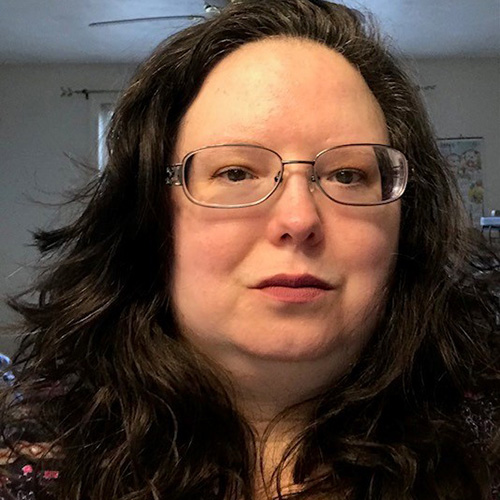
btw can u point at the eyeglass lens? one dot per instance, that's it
(238, 175)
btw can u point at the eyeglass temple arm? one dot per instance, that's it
(173, 175)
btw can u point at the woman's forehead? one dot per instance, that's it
(273, 67)
(281, 83)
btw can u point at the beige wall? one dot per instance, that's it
(37, 128)
(466, 102)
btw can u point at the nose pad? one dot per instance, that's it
(312, 183)
(312, 180)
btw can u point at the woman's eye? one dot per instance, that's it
(346, 176)
(234, 174)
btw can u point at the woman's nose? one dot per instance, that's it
(295, 217)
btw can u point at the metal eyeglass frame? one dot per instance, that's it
(175, 174)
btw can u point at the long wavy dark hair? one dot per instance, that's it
(139, 415)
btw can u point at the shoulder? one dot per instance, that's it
(481, 414)
(20, 477)
(29, 452)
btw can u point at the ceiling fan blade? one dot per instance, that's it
(218, 3)
(143, 19)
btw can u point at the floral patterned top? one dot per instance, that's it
(23, 480)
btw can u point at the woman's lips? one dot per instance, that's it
(294, 288)
(293, 295)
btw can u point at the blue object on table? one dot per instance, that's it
(5, 374)
(4, 361)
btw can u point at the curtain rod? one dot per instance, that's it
(68, 92)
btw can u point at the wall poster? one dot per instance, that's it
(463, 155)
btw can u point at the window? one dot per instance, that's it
(102, 108)
(105, 114)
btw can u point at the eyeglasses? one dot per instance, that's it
(243, 175)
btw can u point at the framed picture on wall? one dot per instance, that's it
(464, 157)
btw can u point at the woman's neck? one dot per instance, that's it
(275, 430)
(275, 397)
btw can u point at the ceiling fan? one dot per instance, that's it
(211, 7)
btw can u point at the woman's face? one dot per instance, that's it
(296, 97)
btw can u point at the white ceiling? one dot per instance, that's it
(54, 31)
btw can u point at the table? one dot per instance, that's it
(490, 223)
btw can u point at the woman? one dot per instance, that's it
(279, 319)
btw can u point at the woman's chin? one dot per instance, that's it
(283, 349)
